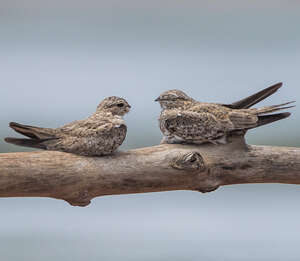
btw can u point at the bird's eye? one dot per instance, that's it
(120, 105)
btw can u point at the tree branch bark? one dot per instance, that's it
(78, 179)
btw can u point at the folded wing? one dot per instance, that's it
(192, 126)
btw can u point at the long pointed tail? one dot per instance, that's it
(37, 136)
(33, 143)
(32, 131)
(273, 108)
(255, 98)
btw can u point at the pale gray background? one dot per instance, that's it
(58, 59)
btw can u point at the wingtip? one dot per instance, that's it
(286, 114)
(273, 88)
(13, 124)
(279, 84)
(9, 140)
(267, 119)
(257, 97)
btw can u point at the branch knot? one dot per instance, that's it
(189, 161)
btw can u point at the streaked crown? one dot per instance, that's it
(115, 105)
(173, 99)
(173, 95)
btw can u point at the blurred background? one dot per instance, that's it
(59, 59)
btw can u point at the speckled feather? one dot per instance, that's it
(100, 134)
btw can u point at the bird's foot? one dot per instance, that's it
(222, 140)
(171, 140)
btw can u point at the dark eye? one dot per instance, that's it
(120, 105)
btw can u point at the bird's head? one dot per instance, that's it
(115, 105)
(173, 99)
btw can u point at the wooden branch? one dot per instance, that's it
(204, 168)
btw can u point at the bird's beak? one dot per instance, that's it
(129, 106)
(157, 99)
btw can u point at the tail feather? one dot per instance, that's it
(38, 136)
(266, 119)
(255, 98)
(31, 131)
(32, 143)
(273, 108)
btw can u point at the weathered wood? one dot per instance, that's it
(78, 179)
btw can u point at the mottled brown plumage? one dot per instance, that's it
(184, 120)
(100, 134)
